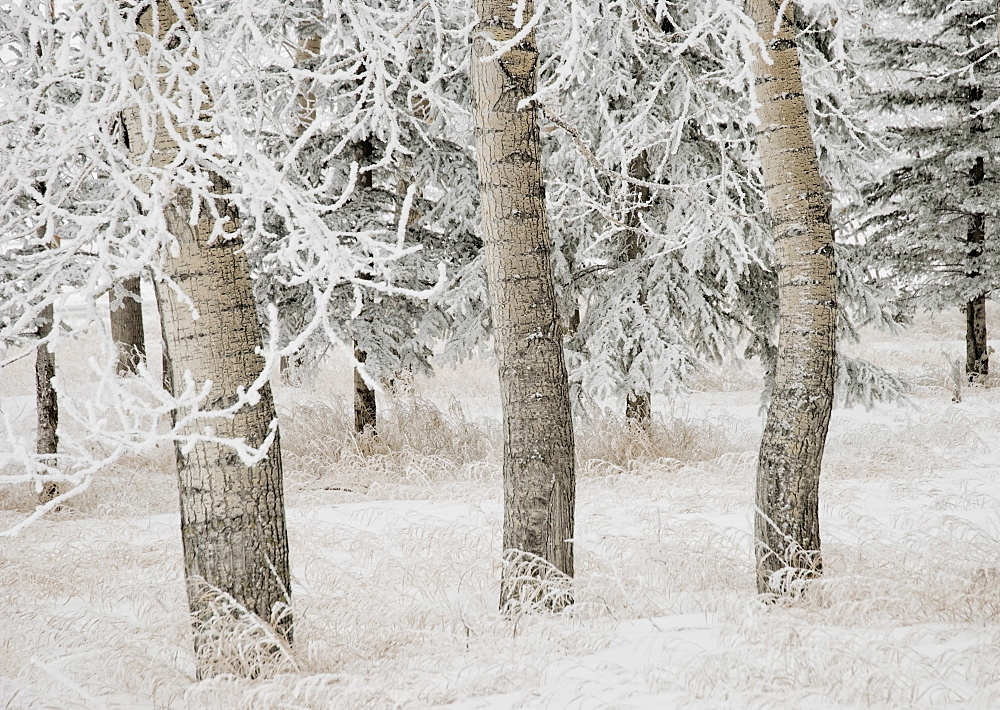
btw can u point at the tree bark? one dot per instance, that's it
(638, 403)
(539, 474)
(977, 354)
(46, 401)
(232, 515)
(127, 327)
(365, 406)
(791, 452)
(305, 101)
(364, 399)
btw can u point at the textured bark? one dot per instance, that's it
(365, 407)
(289, 366)
(539, 475)
(127, 328)
(639, 409)
(364, 400)
(305, 101)
(977, 354)
(638, 404)
(791, 451)
(46, 401)
(232, 515)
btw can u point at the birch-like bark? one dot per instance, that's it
(127, 327)
(539, 475)
(232, 515)
(791, 452)
(46, 401)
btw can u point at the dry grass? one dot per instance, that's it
(610, 445)
(396, 558)
(418, 447)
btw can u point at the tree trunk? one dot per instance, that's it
(638, 404)
(46, 401)
(539, 475)
(232, 515)
(365, 410)
(289, 366)
(126, 327)
(798, 416)
(639, 409)
(977, 354)
(365, 407)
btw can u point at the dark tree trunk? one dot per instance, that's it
(127, 327)
(977, 354)
(638, 404)
(46, 401)
(365, 409)
(639, 409)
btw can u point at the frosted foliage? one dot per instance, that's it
(77, 215)
(654, 192)
(671, 268)
(931, 90)
(376, 100)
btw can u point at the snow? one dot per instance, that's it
(395, 587)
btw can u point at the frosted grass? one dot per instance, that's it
(395, 553)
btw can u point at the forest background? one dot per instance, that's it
(341, 140)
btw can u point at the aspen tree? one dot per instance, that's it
(924, 216)
(46, 399)
(791, 451)
(232, 514)
(539, 475)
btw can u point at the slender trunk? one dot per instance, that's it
(977, 354)
(364, 399)
(574, 323)
(232, 515)
(46, 401)
(798, 416)
(289, 366)
(639, 409)
(127, 327)
(365, 407)
(638, 403)
(539, 474)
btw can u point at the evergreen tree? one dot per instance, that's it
(929, 219)
(387, 148)
(656, 196)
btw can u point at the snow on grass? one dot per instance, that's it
(396, 552)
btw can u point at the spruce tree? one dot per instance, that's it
(929, 219)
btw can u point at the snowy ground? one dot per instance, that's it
(395, 553)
